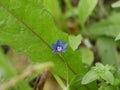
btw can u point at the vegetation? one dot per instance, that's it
(59, 45)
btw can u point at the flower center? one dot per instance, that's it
(59, 48)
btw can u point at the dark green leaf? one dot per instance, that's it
(76, 84)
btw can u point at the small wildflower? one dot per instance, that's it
(59, 47)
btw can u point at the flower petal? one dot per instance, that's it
(64, 45)
(59, 42)
(55, 51)
(63, 50)
(54, 46)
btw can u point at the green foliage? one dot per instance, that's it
(54, 9)
(29, 26)
(99, 72)
(8, 71)
(116, 4)
(118, 37)
(107, 50)
(85, 9)
(90, 77)
(76, 85)
(26, 33)
(87, 56)
(109, 27)
(75, 41)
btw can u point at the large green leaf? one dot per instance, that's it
(28, 27)
(85, 9)
(107, 50)
(109, 27)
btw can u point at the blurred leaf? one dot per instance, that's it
(116, 82)
(71, 9)
(85, 9)
(51, 84)
(108, 27)
(9, 71)
(56, 11)
(5, 64)
(108, 77)
(17, 60)
(107, 50)
(110, 88)
(30, 28)
(87, 56)
(2, 74)
(118, 37)
(98, 72)
(76, 84)
(116, 4)
(90, 77)
(54, 8)
(75, 41)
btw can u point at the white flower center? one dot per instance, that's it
(59, 48)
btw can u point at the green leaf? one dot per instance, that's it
(85, 9)
(28, 27)
(108, 77)
(87, 56)
(75, 41)
(116, 4)
(109, 27)
(54, 8)
(107, 50)
(89, 77)
(76, 84)
(110, 88)
(118, 37)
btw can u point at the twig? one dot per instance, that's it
(30, 70)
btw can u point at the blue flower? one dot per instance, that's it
(59, 47)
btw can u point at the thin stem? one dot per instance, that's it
(61, 57)
(60, 82)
